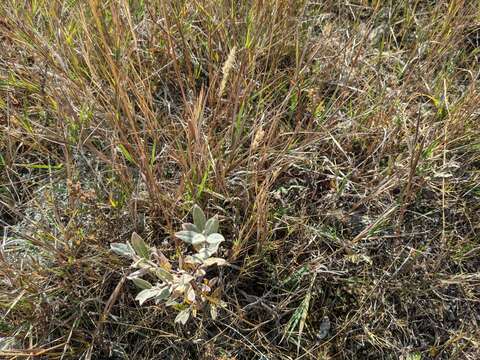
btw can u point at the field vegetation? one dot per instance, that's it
(337, 143)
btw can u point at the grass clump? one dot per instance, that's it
(336, 141)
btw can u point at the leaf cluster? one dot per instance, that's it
(184, 285)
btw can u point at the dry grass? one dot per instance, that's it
(338, 141)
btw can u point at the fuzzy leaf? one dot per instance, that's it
(182, 283)
(146, 294)
(191, 227)
(140, 247)
(199, 218)
(215, 261)
(213, 248)
(137, 274)
(163, 294)
(215, 238)
(163, 274)
(186, 235)
(154, 292)
(186, 278)
(198, 239)
(204, 253)
(172, 302)
(142, 284)
(190, 294)
(183, 316)
(212, 225)
(122, 249)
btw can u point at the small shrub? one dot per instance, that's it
(183, 285)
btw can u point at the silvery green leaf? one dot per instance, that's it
(122, 249)
(154, 292)
(212, 225)
(146, 294)
(190, 294)
(182, 283)
(198, 239)
(186, 278)
(137, 274)
(140, 246)
(163, 274)
(215, 261)
(200, 256)
(212, 248)
(163, 293)
(215, 238)
(183, 316)
(191, 227)
(172, 302)
(139, 262)
(199, 218)
(142, 284)
(186, 235)
(204, 254)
